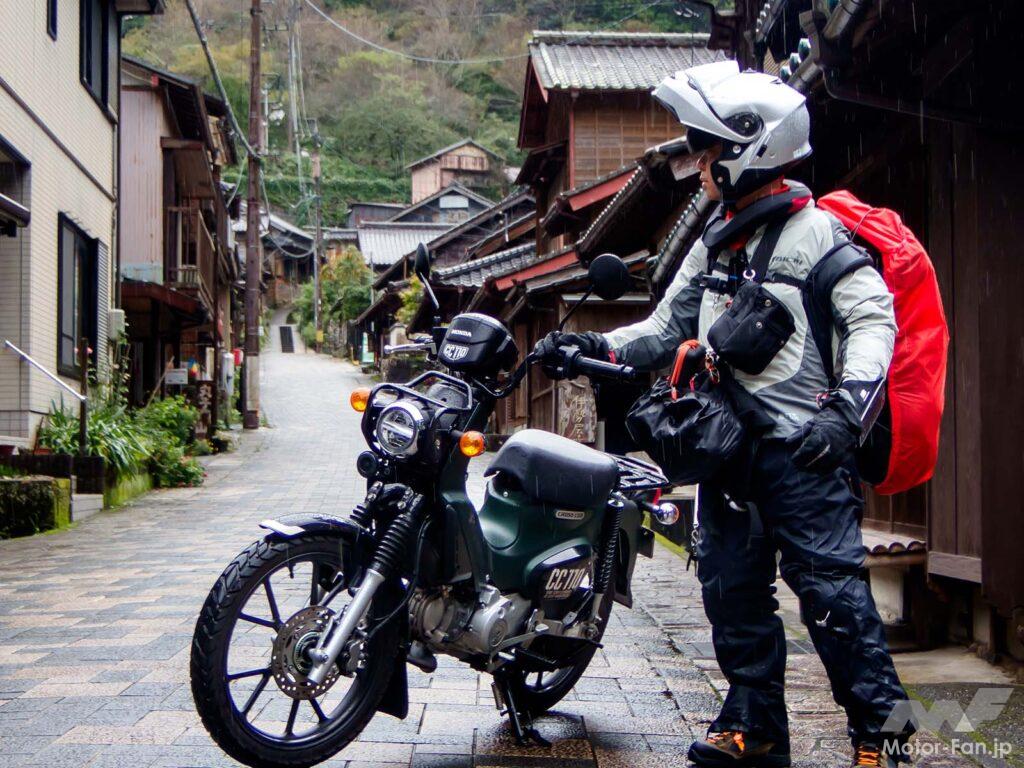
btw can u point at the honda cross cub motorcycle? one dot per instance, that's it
(307, 633)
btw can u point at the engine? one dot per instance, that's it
(451, 625)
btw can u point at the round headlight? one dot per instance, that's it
(398, 428)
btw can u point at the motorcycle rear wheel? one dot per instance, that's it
(227, 608)
(538, 692)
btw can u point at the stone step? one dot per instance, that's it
(85, 505)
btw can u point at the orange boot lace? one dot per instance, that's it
(724, 737)
(868, 754)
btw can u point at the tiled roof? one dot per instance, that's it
(452, 189)
(473, 274)
(614, 61)
(382, 243)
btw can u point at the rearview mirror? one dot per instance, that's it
(609, 276)
(422, 263)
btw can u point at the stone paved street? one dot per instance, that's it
(95, 625)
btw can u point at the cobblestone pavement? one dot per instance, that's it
(95, 625)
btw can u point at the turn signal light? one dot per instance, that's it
(471, 444)
(359, 399)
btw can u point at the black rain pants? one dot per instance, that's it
(813, 521)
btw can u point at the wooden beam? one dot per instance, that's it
(960, 567)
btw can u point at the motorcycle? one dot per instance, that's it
(307, 633)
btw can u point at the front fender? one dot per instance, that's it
(359, 543)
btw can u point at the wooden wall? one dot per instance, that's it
(613, 130)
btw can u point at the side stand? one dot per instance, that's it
(525, 733)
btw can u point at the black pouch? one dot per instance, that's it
(753, 330)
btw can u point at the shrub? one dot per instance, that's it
(171, 468)
(174, 416)
(113, 434)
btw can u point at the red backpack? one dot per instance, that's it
(902, 448)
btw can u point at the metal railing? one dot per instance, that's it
(82, 397)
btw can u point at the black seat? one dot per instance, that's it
(556, 470)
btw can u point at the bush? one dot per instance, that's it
(113, 434)
(171, 468)
(172, 415)
(32, 504)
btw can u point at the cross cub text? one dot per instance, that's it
(307, 633)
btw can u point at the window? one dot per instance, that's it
(51, 18)
(76, 294)
(93, 53)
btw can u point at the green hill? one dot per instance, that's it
(378, 111)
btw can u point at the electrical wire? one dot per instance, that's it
(217, 81)
(432, 60)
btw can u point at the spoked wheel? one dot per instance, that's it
(250, 657)
(537, 692)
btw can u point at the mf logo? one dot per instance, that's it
(987, 704)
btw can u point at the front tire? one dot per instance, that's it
(246, 609)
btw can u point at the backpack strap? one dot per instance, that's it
(839, 261)
(758, 267)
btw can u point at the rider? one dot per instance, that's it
(802, 497)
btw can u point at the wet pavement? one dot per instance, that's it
(96, 621)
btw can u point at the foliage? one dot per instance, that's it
(32, 504)
(411, 297)
(112, 434)
(172, 468)
(174, 416)
(344, 293)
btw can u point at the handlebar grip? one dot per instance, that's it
(590, 366)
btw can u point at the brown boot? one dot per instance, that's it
(735, 748)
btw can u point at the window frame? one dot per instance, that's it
(87, 292)
(51, 19)
(101, 91)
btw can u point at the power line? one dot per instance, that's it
(432, 60)
(217, 81)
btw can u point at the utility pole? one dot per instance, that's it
(251, 418)
(318, 245)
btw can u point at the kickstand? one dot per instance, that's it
(525, 734)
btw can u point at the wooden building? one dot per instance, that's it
(466, 162)
(178, 266)
(924, 118)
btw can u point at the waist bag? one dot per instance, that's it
(902, 448)
(692, 431)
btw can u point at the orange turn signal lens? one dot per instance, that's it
(471, 444)
(359, 399)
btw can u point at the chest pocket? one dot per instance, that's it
(756, 325)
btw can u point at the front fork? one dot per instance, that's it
(387, 559)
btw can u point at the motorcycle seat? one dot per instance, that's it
(553, 469)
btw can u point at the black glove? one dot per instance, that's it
(547, 350)
(828, 440)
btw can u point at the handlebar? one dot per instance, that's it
(575, 364)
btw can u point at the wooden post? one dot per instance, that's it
(318, 245)
(83, 408)
(251, 378)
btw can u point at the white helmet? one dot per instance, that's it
(761, 123)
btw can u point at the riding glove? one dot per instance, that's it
(547, 350)
(828, 440)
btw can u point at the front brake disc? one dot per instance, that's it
(289, 659)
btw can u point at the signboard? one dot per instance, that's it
(177, 377)
(203, 401)
(577, 411)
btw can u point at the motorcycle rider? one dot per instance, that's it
(802, 498)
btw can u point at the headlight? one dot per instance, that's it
(399, 427)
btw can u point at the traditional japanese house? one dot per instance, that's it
(177, 259)
(915, 106)
(465, 162)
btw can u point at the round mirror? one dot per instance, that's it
(609, 276)
(422, 264)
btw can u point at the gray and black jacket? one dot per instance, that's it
(863, 323)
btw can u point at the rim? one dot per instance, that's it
(255, 655)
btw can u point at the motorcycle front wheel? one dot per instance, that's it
(249, 657)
